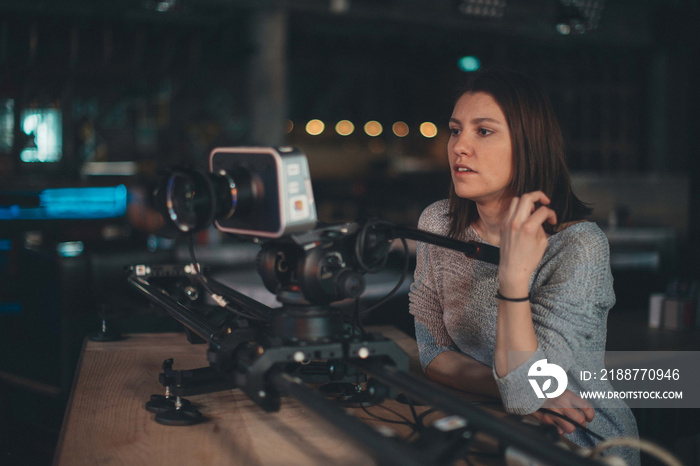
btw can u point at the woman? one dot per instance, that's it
(481, 327)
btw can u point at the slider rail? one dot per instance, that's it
(387, 451)
(506, 432)
(239, 299)
(179, 312)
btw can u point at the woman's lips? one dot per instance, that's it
(462, 170)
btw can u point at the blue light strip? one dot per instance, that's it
(10, 307)
(72, 203)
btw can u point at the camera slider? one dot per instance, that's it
(319, 363)
(269, 353)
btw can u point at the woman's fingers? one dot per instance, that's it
(561, 424)
(571, 406)
(530, 208)
(585, 408)
(580, 405)
(541, 215)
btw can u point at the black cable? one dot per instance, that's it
(357, 324)
(405, 421)
(360, 247)
(424, 414)
(411, 405)
(404, 274)
(576, 424)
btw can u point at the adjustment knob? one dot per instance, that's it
(350, 284)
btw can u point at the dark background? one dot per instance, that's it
(162, 83)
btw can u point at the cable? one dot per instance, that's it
(646, 446)
(396, 288)
(419, 426)
(424, 414)
(360, 247)
(405, 421)
(357, 324)
(576, 424)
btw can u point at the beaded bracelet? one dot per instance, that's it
(512, 300)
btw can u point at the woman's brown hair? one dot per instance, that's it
(538, 149)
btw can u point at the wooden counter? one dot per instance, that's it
(106, 422)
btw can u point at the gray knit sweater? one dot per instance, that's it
(453, 302)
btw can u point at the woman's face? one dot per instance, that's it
(480, 150)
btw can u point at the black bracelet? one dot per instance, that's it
(512, 300)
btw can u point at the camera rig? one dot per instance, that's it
(273, 352)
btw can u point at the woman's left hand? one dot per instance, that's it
(570, 405)
(523, 241)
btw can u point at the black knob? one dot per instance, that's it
(350, 284)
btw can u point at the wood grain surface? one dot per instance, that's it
(106, 422)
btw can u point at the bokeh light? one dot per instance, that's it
(469, 63)
(344, 127)
(428, 129)
(373, 128)
(315, 127)
(400, 129)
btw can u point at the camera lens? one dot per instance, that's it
(189, 200)
(237, 193)
(192, 200)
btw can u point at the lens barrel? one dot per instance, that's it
(191, 200)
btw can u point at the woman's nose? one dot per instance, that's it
(463, 146)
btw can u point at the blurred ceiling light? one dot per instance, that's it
(481, 8)
(469, 63)
(315, 127)
(109, 169)
(70, 249)
(289, 126)
(400, 129)
(578, 16)
(340, 6)
(373, 128)
(344, 127)
(161, 6)
(428, 129)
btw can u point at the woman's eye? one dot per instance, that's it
(455, 131)
(484, 131)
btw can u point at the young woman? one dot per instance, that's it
(481, 327)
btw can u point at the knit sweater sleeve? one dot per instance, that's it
(571, 295)
(425, 297)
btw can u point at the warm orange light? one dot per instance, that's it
(289, 126)
(428, 129)
(373, 128)
(344, 127)
(400, 129)
(315, 127)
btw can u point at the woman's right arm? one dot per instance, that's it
(459, 371)
(440, 359)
